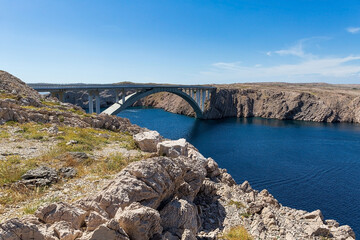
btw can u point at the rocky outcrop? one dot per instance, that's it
(147, 141)
(316, 104)
(181, 197)
(41, 176)
(20, 103)
(13, 85)
(173, 148)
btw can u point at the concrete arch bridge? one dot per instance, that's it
(195, 95)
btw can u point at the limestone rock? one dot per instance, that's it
(147, 141)
(343, 232)
(212, 168)
(271, 100)
(25, 229)
(110, 231)
(56, 212)
(245, 186)
(188, 235)
(139, 222)
(79, 155)
(41, 176)
(314, 216)
(53, 130)
(65, 231)
(180, 214)
(71, 142)
(94, 220)
(67, 172)
(314, 230)
(173, 149)
(148, 181)
(15, 86)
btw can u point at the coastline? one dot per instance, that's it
(172, 193)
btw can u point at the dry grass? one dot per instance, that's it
(5, 95)
(112, 164)
(56, 106)
(32, 207)
(12, 168)
(237, 204)
(236, 233)
(88, 140)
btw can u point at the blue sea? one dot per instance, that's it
(305, 165)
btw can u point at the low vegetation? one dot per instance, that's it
(237, 204)
(236, 233)
(64, 140)
(5, 95)
(245, 215)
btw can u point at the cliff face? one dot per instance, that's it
(317, 104)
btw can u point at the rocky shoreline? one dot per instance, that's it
(172, 193)
(177, 194)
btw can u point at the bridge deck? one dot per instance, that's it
(78, 87)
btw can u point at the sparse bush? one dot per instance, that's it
(12, 168)
(236, 233)
(61, 118)
(245, 215)
(32, 207)
(237, 204)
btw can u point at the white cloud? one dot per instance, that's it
(321, 69)
(310, 68)
(297, 49)
(353, 30)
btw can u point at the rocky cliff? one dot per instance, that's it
(307, 102)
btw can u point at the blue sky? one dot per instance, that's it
(189, 42)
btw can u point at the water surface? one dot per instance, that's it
(304, 165)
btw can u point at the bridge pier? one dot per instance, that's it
(116, 96)
(97, 102)
(91, 106)
(203, 93)
(123, 95)
(59, 95)
(198, 97)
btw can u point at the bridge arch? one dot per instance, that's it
(131, 99)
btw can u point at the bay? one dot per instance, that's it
(305, 165)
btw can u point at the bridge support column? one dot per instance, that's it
(97, 102)
(116, 96)
(123, 95)
(203, 100)
(59, 95)
(198, 96)
(91, 106)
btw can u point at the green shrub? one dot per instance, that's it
(236, 233)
